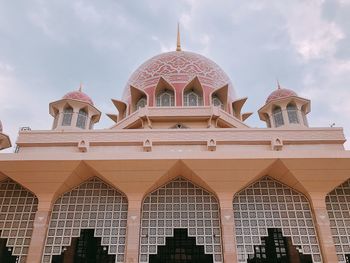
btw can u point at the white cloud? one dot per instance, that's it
(312, 36)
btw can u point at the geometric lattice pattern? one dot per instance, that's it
(180, 204)
(18, 207)
(270, 204)
(177, 67)
(338, 207)
(92, 205)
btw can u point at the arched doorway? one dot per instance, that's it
(5, 253)
(85, 249)
(268, 204)
(189, 211)
(276, 248)
(92, 211)
(180, 249)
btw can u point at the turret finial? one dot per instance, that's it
(80, 87)
(178, 42)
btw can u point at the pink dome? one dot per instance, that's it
(280, 93)
(0, 126)
(178, 68)
(78, 95)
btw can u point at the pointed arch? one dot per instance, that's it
(292, 112)
(180, 204)
(193, 94)
(164, 94)
(82, 118)
(267, 203)
(123, 109)
(219, 97)
(338, 207)
(136, 96)
(92, 205)
(17, 212)
(277, 116)
(67, 115)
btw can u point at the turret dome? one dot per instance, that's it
(280, 93)
(78, 95)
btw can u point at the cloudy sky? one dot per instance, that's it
(48, 47)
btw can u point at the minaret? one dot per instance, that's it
(284, 108)
(75, 110)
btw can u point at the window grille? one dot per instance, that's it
(142, 102)
(92, 205)
(82, 118)
(166, 99)
(217, 102)
(270, 204)
(338, 208)
(278, 117)
(180, 204)
(67, 116)
(191, 98)
(17, 213)
(292, 113)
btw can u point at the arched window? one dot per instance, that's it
(292, 113)
(141, 103)
(67, 116)
(191, 98)
(165, 98)
(82, 117)
(217, 102)
(278, 116)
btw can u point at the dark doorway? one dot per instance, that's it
(85, 249)
(275, 248)
(181, 249)
(5, 253)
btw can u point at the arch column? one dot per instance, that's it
(133, 228)
(227, 227)
(322, 223)
(40, 227)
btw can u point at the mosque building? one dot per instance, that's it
(179, 178)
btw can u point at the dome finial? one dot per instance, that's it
(80, 87)
(178, 43)
(278, 84)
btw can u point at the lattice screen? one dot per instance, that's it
(180, 204)
(92, 205)
(338, 207)
(270, 204)
(18, 207)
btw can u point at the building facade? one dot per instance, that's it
(179, 177)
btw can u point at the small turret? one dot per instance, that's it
(4, 139)
(284, 108)
(74, 111)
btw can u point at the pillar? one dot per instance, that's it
(133, 228)
(227, 228)
(41, 224)
(323, 228)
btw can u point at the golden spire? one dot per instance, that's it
(80, 87)
(178, 43)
